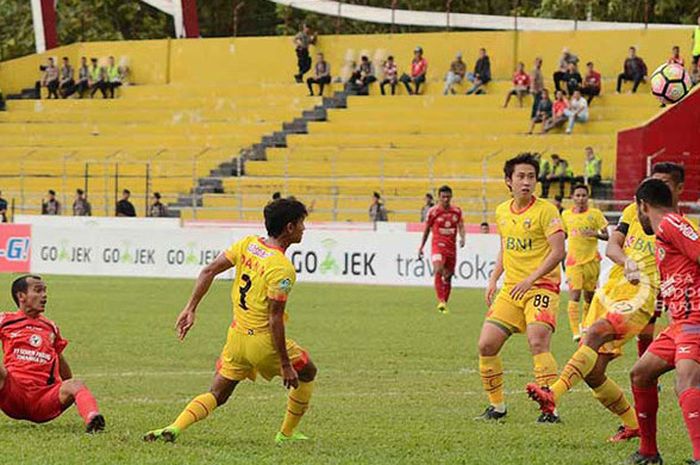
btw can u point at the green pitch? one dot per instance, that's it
(398, 383)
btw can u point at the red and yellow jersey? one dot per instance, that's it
(638, 246)
(263, 273)
(582, 249)
(524, 241)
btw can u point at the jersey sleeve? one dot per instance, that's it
(550, 220)
(279, 281)
(59, 344)
(564, 221)
(683, 236)
(601, 221)
(626, 219)
(430, 219)
(233, 253)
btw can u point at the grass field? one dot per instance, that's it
(398, 383)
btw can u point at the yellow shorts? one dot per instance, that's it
(538, 306)
(583, 277)
(626, 307)
(246, 355)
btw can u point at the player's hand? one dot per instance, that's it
(632, 272)
(290, 377)
(520, 289)
(461, 242)
(185, 321)
(589, 233)
(420, 254)
(490, 291)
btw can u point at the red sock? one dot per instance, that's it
(643, 343)
(86, 404)
(689, 401)
(439, 287)
(448, 289)
(646, 403)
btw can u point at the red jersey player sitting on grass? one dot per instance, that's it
(678, 346)
(444, 221)
(35, 378)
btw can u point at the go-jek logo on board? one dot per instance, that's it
(15, 248)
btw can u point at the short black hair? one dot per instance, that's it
(79, 191)
(580, 186)
(21, 285)
(676, 170)
(376, 195)
(390, 57)
(156, 195)
(52, 192)
(429, 195)
(276, 195)
(279, 213)
(590, 63)
(559, 198)
(65, 58)
(484, 223)
(525, 158)
(655, 192)
(445, 188)
(126, 191)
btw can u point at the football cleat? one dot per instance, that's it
(167, 434)
(543, 396)
(96, 424)
(491, 414)
(296, 436)
(548, 418)
(442, 308)
(639, 459)
(624, 433)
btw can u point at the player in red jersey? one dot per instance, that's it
(444, 221)
(678, 346)
(35, 379)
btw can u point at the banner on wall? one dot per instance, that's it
(15, 248)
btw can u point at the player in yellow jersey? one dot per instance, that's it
(621, 310)
(532, 246)
(256, 342)
(584, 226)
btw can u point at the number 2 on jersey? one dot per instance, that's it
(243, 290)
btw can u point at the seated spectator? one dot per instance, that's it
(364, 75)
(429, 203)
(676, 56)
(455, 75)
(377, 210)
(419, 67)
(82, 86)
(560, 75)
(593, 171)
(591, 83)
(391, 75)
(51, 206)
(573, 79)
(544, 110)
(66, 83)
(545, 170)
(577, 111)
(3, 104)
(124, 207)
(561, 173)
(635, 70)
(3, 209)
(158, 209)
(322, 75)
(558, 108)
(536, 85)
(81, 207)
(96, 79)
(113, 74)
(49, 80)
(484, 228)
(521, 85)
(481, 75)
(695, 74)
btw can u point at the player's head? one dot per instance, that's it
(579, 194)
(284, 219)
(521, 174)
(445, 195)
(654, 197)
(673, 174)
(484, 228)
(29, 293)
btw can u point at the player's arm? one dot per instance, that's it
(64, 368)
(185, 320)
(426, 233)
(603, 234)
(495, 276)
(615, 252)
(462, 233)
(279, 340)
(553, 259)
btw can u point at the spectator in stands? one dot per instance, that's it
(66, 83)
(676, 56)
(591, 83)
(558, 117)
(573, 79)
(561, 173)
(457, 71)
(50, 79)
(124, 207)
(391, 75)
(577, 111)
(560, 75)
(377, 210)
(82, 86)
(481, 75)
(158, 209)
(695, 74)
(521, 85)
(3, 209)
(364, 75)
(545, 170)
(113, 76)
(429, 203)
(635, 70)
(276, 196)
(419, 67)
(302, 41)
(51, 206)
(81, 206)
(96, 79)
(593, 171)
(485, 228)
(536, 86)
(322, 75)
(544, 111)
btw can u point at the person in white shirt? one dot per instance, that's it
(577, 111)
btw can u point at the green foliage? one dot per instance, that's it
(16, 32)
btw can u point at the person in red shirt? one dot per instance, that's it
(591, 83)
(35, 379)
(558, 117)
(678, 346)
(444, 221)
(676, 56)
(521, 85)
(419, 66)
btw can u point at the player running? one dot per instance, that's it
(444, 221)
(35, 379)
(256, 340)
(532, 246)
(584, 226)
(678, 346)
(621, 310)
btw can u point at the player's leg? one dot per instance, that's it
(573, 310)
(438, 281)
(687, 382)
(493, 336)
(646, 337)
(75, 390)
(448, 271)
(587, 300)
(298, 398)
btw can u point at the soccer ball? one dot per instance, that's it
(670, 83)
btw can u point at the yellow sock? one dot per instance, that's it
(198, 409)
(611, 396)
(574, 317)
(577, 368)
(297, 404)
(545, 368)
(584, 312)
(491, 369)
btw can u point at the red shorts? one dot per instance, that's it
(679, 341)
(448, 258)
(26, 401)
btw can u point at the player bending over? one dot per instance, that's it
(678, 346)
(35, 378)
(444, 221)
(583, 225)
(256, 341)
(532, 246)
